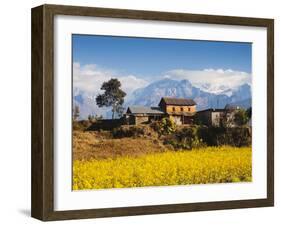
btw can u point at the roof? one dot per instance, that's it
(212, 110)
(144, 110)
(178, 101)
(232, 107)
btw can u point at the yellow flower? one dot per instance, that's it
(199, 166)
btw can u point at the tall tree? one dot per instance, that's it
(113, 96)
(76, 112)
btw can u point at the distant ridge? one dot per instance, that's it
(152, 94)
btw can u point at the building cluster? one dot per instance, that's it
(181, 110)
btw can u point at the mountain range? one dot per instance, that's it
(151, 95)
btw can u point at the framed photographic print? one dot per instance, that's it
(141, 112)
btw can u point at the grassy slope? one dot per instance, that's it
(100, 145)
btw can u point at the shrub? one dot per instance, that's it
(133, 131)
(81, 125)
(234, 136)
(241, 117)
(241, 136)
(249, 112)
(185, 138)
(164, 127)
(212, 136)
(104, 124)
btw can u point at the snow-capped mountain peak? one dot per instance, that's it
(206, 95)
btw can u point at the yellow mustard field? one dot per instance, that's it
(200, 166)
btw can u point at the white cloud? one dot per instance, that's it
(212, 80)
(89, 78)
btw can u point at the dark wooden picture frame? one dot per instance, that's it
(42, 203)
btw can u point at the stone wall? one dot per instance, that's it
(141, 119)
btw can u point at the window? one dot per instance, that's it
(188, 109)
(174, 109)
(181, 109)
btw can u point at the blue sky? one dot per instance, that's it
(147, 57)
(137, 62)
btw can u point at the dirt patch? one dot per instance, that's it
(100, 145)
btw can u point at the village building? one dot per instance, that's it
(138, 114)
(210, 116)
(215, 117)
(180, 110)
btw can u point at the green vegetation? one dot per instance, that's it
(241, 117)
(164, 127)
(185, 138)
(113, 97)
